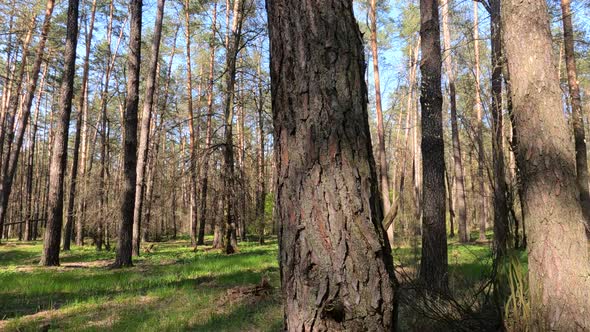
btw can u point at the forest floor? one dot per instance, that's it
(171, 288)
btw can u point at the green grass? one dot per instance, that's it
(169, 289)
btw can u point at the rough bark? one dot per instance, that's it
(434, 264)
(558, 249)
(458, 179)
(335, 260)
(59, 156)
(577, 112)
(146, 118)
(130, 137)
(500, 187)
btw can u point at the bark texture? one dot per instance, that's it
(124, 244)
(434, 261)
(500, 187)
(59, 153)
(557, 247)
(336, 264)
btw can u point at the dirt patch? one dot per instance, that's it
(247, 294)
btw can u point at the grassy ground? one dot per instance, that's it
(170, 289)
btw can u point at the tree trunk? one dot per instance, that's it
(434, 264)
(124, 244)
(146, 119)
(191, 127)
(261, 183)
(577, 112)
(228, 151)
(381, 155)
(459, 178)
(59, 154)
(209, 133)
(558, 249)
(13, 152)
(479, 131)
(500, 188)
(327, 190)
(79, 156)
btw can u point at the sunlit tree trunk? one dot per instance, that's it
(124, 243)
(458, 179)
(327, 190)
(146, 119)
(559, 266)
(59, 156)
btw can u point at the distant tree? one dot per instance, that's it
(577, 112)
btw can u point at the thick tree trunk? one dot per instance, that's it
(327, 192)
(434, 264)
(59, 156)
(577, 112)
(459, 178)
(124, 244)
(146, 118)
(558, 249)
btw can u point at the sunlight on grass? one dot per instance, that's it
(170, 289)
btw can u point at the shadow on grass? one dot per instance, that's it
(51, 288)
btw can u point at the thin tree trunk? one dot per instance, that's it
(124, 244)
(381, 155)
(228, 151)
(558, 250)
(191, 126)
(500, 188)
(479, 130)
(13, 152)
(577, 113)
(29, 233)
(59, 154)
(434, 264)
(145, 127)
(261, 183)
(209, 133)
(79, 162)
(459, 177)
(330, 214)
